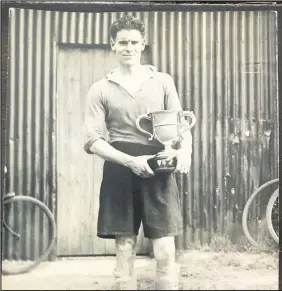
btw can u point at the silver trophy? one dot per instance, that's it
(168, 126)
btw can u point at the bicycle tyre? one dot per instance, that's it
(246, 211)
(49, 247)
(269, 208)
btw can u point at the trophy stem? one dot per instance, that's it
(167, 147)
(163, 154)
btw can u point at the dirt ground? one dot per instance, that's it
(200, 270)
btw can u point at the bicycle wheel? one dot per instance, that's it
(272, 215)
(29, 233)
(246, 211)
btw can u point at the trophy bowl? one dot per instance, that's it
(168, 127)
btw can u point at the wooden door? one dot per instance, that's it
(80, 174)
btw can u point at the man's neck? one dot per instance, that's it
(130, 70)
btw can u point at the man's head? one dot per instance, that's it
(128, 39)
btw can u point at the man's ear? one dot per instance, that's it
(112, 42)
(143, 43)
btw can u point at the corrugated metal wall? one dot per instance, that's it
(224, 66)
(90, 28)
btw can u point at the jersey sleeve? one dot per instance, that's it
(95, 116)
(172, 101)
(171, 96)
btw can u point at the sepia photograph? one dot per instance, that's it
(140, 145)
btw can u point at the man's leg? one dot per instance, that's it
(125, 256)
(167, 269)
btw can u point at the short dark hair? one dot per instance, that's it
(127, 22)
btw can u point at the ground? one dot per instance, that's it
(200, 270)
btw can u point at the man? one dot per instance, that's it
(130, 191)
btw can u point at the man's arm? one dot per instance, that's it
(138, 165)
(183, 154)
(172, 102)
(107, 152)
(186, 144)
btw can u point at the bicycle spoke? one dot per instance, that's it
(17, 235)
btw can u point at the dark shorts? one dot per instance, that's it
(127, 199)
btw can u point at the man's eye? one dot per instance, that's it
(134, 42)
(123, 42)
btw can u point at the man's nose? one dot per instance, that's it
(129, 46)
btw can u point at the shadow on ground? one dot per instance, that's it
(199, 271)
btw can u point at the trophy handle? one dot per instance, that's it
(139, 118)
(193, 120)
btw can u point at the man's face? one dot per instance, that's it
(128, 46)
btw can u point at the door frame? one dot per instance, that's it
(55, 133)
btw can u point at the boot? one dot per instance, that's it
(165, 283)
(126, 284)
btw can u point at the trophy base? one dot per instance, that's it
(160, 165)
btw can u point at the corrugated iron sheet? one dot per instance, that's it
(31, 101)
(91, 28)
(224, 66)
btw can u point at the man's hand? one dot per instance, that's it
(183, 160)
(139, 166)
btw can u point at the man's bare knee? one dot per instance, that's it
(125, 243)
(164, 250)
